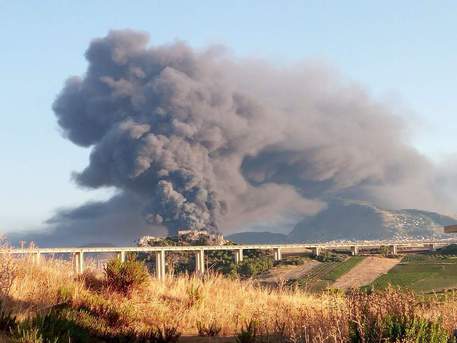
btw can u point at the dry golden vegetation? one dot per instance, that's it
(93, 310)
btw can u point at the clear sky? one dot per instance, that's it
(402, 51)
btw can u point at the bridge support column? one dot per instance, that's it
(78, 262)
(75, 263)
(316, 251)
(160, 265)
(200, 262)
(238, 256)
(121, 256)
(394, 249)
(355, 250)
(277, 254)
(36, 258)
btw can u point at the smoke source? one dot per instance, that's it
(199, 139)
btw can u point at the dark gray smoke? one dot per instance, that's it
(203, 140)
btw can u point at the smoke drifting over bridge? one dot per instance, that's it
(200, 139)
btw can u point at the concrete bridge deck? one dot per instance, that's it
(160, 251)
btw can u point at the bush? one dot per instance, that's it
(125, 276)
(390, 316)
(52, 327)
(292, 261)
(447, 250)
(106, 311)
(252, 267)
(327, 256)
(400, 329)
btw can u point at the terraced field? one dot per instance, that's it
(326, 273)
(314, 280)
(287, 272)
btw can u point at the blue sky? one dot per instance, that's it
(401, 51)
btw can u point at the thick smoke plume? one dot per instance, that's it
(200, 139)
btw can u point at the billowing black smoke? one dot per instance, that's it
(203, 140)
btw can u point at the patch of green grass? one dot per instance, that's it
(421, 273)
(343, 267)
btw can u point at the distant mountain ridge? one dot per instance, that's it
(354, 220)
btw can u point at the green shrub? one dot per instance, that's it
(447, 250)
(416, 329)
(106, 311)
(251, 267)
(52, 327)
(327, 256)
(125, 276)
(292, 261)
(394, 328)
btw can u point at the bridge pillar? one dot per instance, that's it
(200, 262)
(121, 256)
(277, 254)
(160, 265)
(75, 263)
(316, 251)
(81, 262)
(394, 249)
(238, 256)
(432, 247)
(36, 258)
(78, 262)
(355, 250)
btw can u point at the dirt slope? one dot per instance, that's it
(365, 272)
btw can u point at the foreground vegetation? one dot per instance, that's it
(46, 303)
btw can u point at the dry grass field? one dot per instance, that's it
(215, 306)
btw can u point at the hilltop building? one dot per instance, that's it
(185, 237)
(200, 236)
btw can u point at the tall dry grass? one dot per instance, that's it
(7, 269)
(189, 303)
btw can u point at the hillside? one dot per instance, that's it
(350, 220)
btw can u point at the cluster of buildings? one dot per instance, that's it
(185, 237)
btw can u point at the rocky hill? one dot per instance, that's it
(353, 220)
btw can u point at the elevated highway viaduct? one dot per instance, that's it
(78, 254)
